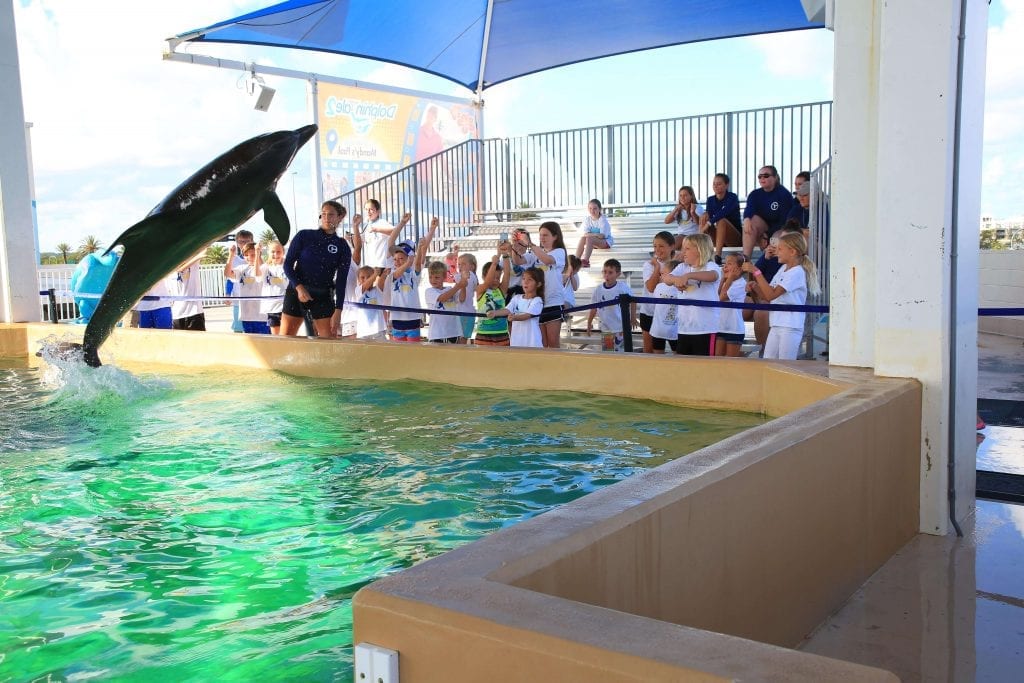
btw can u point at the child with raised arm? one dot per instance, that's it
(697, 279)
(490, 296)
(731, 329)
(665, 321)
(444, 329)
(376, 235)
(610, 317)
(369, 322)
(348, 323)
(551, 259)
(248, 281)
(401, 286)
(795, 279)
(464, 299)
(274, 284)
(524, 311)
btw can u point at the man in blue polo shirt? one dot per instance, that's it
(766, 210)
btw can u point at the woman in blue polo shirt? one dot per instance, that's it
(316, 266)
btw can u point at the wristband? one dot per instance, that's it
(757, 273)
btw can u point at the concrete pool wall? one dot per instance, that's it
(709, 567)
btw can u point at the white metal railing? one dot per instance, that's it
(58, 278)
(637, 165)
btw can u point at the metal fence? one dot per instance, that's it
(58, 278)
(818, 249)
(634, 166)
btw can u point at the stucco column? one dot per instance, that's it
(19, 298)
(893, 246)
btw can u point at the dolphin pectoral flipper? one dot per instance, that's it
(134, 235)
(275, 216)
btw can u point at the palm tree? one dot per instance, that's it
(267, 236)
(216, 254)
(89, 245)
(64, 249)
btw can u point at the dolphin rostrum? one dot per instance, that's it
(214, 201)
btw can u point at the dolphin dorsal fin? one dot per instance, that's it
(275, 216)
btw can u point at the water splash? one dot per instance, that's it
(66, 373)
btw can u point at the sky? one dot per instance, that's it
(116, 128)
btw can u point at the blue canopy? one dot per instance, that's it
(457, 40)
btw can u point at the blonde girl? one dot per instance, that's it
(731, 329)
(597, 233)
(697, 279)
(274, 284)
(661, 253)
(791, 284)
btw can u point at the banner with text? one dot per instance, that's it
(366, 134)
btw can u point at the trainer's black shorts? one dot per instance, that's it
(321, 306)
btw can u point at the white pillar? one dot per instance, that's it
(893, 217)
(19, 297)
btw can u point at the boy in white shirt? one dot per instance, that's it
(610, 317)
(444, 329)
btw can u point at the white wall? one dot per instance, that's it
(1001, 285)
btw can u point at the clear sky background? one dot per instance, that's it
(115, 128)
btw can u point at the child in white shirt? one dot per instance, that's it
(610, 317)
(524, 311)
(444, 329)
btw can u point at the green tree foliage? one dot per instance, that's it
(64, 250)
(525, 215)
(267, 236)
(89, 245)
(988, 241)
(216, 254)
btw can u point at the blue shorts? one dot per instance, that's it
(255, 327)
(468, 322)
(405, 330)
(159, 319)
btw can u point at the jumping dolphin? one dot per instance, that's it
(214, 201)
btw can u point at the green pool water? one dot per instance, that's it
(215, 526)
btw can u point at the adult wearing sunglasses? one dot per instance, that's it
(766, 210)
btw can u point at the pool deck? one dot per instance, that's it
(948, 608)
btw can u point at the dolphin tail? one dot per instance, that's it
(275, 216)
(91, 356)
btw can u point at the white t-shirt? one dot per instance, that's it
(516, 278)
(794, 281)
(699, 319)
(526, 332)
(569, 289)
(688, 224)
(247, 284)
(610, 317)
(274, 284)
(159, 289)
(554, 291)
(375, 244)
(469, 306)
(442, 326)
(730, 320)
(601, 226)
(186, 282)
(404, 292)
(369, 321)
(665, 324)
(353, 294)
(646, 309)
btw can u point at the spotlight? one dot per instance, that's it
(265, 96)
